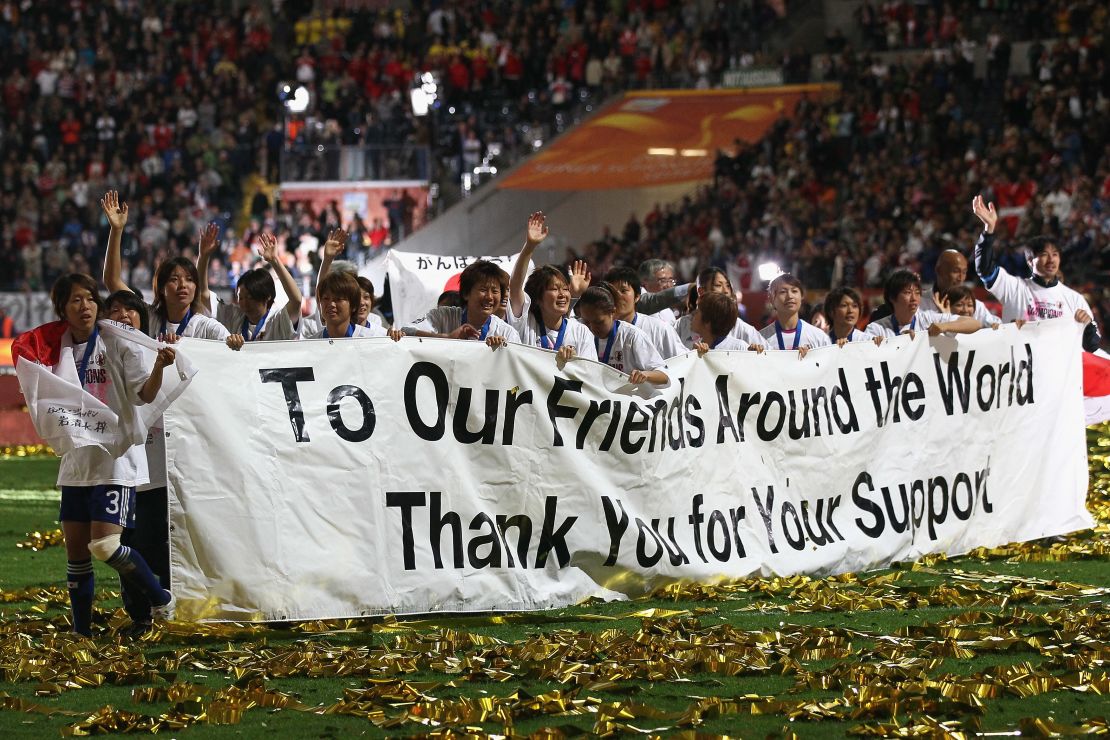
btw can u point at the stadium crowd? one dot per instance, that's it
(175, 104)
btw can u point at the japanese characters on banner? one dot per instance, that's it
(416, 280)
(327, 479)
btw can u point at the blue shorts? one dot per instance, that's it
(110, 503)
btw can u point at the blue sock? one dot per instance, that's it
(79, 580)
(131, 566)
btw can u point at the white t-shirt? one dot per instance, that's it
(810, 337)
(888, 326)
(359, 331)
(743, 330)
(631, 350)
(576, 335)
(199, 326)
(446, 319)
(309, 325)
(276, 325)
(115, 374)
(982, 315)
(729, 342)
(663, 336)
(667, 316)
(855, 335)
(1024, 298)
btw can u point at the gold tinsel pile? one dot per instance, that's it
(1026, 637)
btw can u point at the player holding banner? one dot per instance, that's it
(98, 488)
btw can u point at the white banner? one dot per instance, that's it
(417, 280)
(343, 478)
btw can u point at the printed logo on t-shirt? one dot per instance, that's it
(1045, 309)
(95, 372)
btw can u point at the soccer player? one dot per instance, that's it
(480, 288)
(253, 318)
(842, 309)
(1041, 296)
(177, 310)
(337, 297)
(625, 284)
(902, 291)
(98, 490)
(620, 345)
(713, 320)
(538, 306)
(713, 280)
(788, 330)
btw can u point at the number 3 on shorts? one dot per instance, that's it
(112, 506)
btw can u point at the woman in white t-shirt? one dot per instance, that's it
(338, 296)
(98, 490)
(538, 306)
(619, 345)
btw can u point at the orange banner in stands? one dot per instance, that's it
(658, 137)
(6, 353)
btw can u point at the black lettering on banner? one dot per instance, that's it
(798, 543)
(484, 435)
(513, 402)
(693, 421)
(717, 522)
(936, 516)
(593, 412)
(437, 520)
(841, 393)
(557, 411)
(406, 501)
(695, 519)
(616, 526)
(962, 514)
(434, 431)
(765, 432)
(724, 413)
(552, 538)
(875, 530)
(674, 552)
(765, 512)
(289, 377)
(523, 526)
(644, 533)
(493, 560)
(336, 418)
(631, 426)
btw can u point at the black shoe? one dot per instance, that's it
(135, 631)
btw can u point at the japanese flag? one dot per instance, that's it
(1096, 387)
(64, 413)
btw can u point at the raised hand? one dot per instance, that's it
(579, 278)
(942, 302)
(267, 246)
(115, 211)
(537, 228)
(336, 243)
(986, 213)
(209, 238)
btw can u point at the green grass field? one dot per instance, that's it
(1012, 640)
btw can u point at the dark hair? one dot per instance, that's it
(1040, 243)
(599, 296)
(958, 293)
(63, 288)
(340, 285)
(452, 298)
(836, 295)
(705, 277)
(898, 281)
(367, 286)
(479, 272)
(131, 300)
(785, 279)
(537, 283)
(719, 312)
(624, 275)
(259, 284)
(163, 276)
